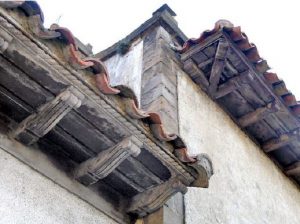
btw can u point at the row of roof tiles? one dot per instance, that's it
(36, 19)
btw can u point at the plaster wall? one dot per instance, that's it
(127, 69)
(247, 188)
(28, 197)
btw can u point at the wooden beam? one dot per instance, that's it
(47, 116)
(293, 170)
(233, 84)
(225, 89)
(281, 141)
(218, 66)
(154, 198)
(100, 166)
(195, 73)
(199, 47)
(230, 67)
(208, 61)
(258, 114)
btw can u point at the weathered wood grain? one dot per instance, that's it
(48, 115)
(218, 66)
(258, 114)
(281, 141)
(96, 168)
(293, 170)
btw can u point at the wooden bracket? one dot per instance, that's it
(100, 166)
(196, 74)
(47, 116)
(258, 114)
(218, 66)
(154, 198)
(233, 84)
(293, 170)
(281, 141)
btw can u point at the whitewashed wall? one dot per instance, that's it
(28, 197)
(247, 188)
(127, 69)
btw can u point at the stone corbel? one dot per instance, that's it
(47, 116)
(205, 170)
(100, 166)
(154, 198)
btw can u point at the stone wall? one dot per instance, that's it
(247, 187)
(159, 80)
(28, 197)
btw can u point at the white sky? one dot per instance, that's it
(271, 25)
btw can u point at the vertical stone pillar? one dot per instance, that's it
(159, 78)
(159, 94)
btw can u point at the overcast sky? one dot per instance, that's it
(272, 25)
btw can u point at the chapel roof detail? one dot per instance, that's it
(228, 67)
(98, 129)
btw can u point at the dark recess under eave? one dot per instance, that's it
(252, 87)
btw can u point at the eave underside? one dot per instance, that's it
(244, 93)
(32, 79)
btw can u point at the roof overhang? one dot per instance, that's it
(229, 69)
(55, 99)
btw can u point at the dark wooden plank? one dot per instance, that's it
(235, 104)
(84, 132)
(121, 186)
(261, 131)
(235, 61)
(257, 114)
(205, 63)
(12, 106)
(230, 69)
(102, 121)
(195, 73)
(153, 164)
(210, 51)
(225, 89)
(251, 96)
(137, 172)
(21, 85)
(69, 144)
(284, 156)
(293, 169)
(38, 70)
(199, 57)
(199, 47)
(276, 124)
(281, 141)
(218, 66)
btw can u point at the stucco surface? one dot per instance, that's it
(127, 69)
(246, 187)
(28, 197)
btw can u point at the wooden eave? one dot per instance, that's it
(247, 96)
(58, 110)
